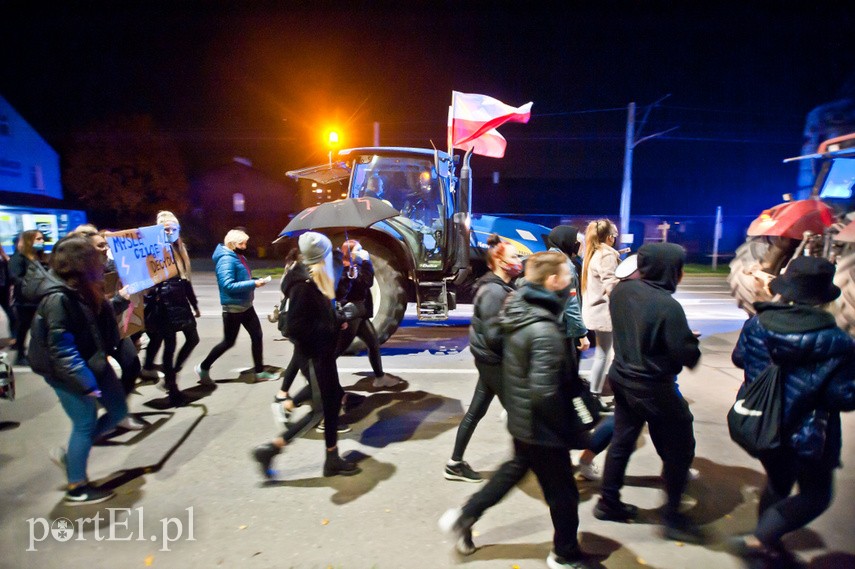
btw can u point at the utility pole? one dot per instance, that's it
(626, 190)
(376, 133)
(631, 143)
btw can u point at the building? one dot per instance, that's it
(238, 195)
(30, 183)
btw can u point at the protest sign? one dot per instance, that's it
(143, 256)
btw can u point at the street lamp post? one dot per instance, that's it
(332, 142)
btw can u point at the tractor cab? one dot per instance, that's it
(416, 183)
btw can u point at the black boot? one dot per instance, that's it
(177, 399)
(334, 465)
(264, 455)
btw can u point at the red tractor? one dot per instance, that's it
(822, 225)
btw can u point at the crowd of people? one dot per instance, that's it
(531, 323)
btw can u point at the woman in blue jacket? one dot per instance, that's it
(818, 360)
(237, 291)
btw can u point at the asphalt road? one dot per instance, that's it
(191, 470)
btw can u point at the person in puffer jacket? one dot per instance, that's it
(492, 290)
(237, 291)
(818, 361)
(73, 331)
(537, 395)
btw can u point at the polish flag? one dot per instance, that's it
(472, 122)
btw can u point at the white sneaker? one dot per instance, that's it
(589, 472)
(694, 474)
(386, 381)
(131, 423)
(281, 415)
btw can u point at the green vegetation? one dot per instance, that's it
(706, 270)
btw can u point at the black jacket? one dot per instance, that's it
(358, 290)
(168, 306)
(312, 322)
(489, 299)
(535, 389)
(64, 336)
(818, 360)
(652, 338)
(17, 271)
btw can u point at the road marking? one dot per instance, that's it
(410, 370)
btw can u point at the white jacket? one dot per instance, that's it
(600, 282)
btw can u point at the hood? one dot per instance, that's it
(530, 303)
(50, 284)
(222, 251)
(661, 264)
(793, 318)
(490, 277)
(565, 238)
(299, 273)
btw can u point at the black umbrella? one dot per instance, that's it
(355, 212)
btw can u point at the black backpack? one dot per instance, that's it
(756, 420)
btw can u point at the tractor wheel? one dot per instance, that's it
(747, 279)
(845, 279)
(388, 294)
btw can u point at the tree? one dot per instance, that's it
(123, 170)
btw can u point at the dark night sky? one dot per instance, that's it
(263, 79)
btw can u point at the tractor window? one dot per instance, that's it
(838, 183)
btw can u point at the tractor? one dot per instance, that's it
(434, 250)
(822, 225)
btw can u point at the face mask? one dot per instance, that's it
(564, 293)
(514, 269)
(39, 246)
(173, 235)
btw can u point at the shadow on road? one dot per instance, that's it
(348, 488)
(132, 478)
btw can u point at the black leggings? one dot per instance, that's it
(489, 377)
(326, 394)
(779, 513)
(364, 330)
(232, 321)
(169, 341)
(191, 340)
(24, 319)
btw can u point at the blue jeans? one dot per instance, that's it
(86, 426)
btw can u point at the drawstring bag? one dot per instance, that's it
(755, 420)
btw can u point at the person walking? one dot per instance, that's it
(653, 343)
(6, 292)
(354, 287)
(313, 326)
(125, 352)
(171, 307)
(797, 333)
(29, 251)
(72, 331)
(536, 395)
(491, 291)
(598, 279)
(237, 291)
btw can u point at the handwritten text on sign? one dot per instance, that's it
(143, 256)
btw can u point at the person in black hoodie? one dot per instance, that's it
(653, 342)
(313, 326)
(73, 332)
(491, 291)
(537, 396)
